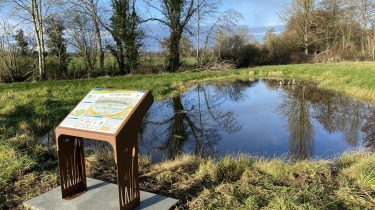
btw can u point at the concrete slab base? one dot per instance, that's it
(99, 195)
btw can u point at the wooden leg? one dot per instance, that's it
(127, 175)
(72, 165)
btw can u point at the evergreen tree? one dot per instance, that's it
(22, 44)
(176, 14)
(124, 27)
(56, 42)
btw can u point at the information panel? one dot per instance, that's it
(103, 110)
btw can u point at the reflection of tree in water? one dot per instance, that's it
(338, 113)
(196, 119)
(235, 91)
(335, 112)
(296, 108)
(177, 128)
(349, 117)
(369, 130)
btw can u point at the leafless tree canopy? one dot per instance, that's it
(195, 30)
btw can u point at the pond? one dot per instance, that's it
(266, 118)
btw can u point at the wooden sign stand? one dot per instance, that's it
(70, 152)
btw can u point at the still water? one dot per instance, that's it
(263, 118)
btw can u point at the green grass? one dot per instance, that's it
(29, 110)
(77, 65)
(245, 182)
(37, 107)
(12, 163)
(356, 79)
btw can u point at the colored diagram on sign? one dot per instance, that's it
(103, 110)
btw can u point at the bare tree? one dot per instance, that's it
(176, 16)
(331, 12)
(92, 9)
(224, 21)
(237, 47)
(347, 23)
(365, 16)
(198, 30)
(206, 10)
(7, 53)
(16, 61)
(83, 38)
(36, 10)
(300, 17)
(372, 35)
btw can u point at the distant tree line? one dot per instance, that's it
(336, 29)
(315, 31)
(58, 26)
(70, 38)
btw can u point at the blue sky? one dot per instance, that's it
(258, 12)
(259, 16)
(255, 12)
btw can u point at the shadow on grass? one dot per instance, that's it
(33, 119)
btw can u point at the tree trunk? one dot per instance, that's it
(121, 60)
(198, 32)
(98, 35)
(179, 133)
(373, 43)
(42, 53)
(101, 50)
(36, 13)
(88, 65)
(174, 51)
(40, 62)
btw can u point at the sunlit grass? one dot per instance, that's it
(29, 110)
(12, 164)
(356, 79)
(77, 64)
(37, 107)
(243, 182)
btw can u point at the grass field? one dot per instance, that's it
(29, 110)
(149, 63)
